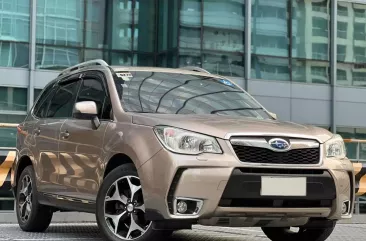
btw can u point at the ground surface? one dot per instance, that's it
(90, 232)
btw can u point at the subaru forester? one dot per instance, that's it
(154, 150)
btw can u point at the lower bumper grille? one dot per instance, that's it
(270, 203)
(262, 155)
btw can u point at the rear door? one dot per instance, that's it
(80, 144)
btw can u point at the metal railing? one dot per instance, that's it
(360, 148)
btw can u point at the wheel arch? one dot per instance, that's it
(23, 162)
(115, 161)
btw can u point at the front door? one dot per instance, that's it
(80, 145)
(47, 132)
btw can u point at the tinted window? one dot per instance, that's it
(63, 102)
(173, 93)
(41, 106)
(92, 89)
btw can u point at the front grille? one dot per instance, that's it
(264, 155)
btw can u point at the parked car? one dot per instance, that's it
(155, 150)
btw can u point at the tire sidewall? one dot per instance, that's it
(27, 171)
(125, 170)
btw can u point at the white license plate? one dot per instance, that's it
(283, 186)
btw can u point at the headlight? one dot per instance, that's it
(186, 142)
(335, 147)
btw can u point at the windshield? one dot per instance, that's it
(174, 93)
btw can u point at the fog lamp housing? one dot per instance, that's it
(187, 206)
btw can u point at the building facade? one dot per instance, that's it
(302, 59)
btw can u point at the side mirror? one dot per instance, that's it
(87, 110)
(273, 115)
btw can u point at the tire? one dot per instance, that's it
(112, 208)
(39, 217)
(284, 234)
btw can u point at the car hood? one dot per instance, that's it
(221, 126)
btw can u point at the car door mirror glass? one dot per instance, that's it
(85, 110)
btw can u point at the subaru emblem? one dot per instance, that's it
(279, 144)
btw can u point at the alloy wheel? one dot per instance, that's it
(25, 198)
(124, 209)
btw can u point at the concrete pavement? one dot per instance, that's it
(90, 232)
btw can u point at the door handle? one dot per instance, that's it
(37, 132)
(65, 135)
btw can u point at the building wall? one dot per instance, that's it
(281, 50)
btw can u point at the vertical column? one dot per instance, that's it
(248, 45)
(32, 53)
(333, 63)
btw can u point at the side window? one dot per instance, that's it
(92, 89)
(41, 106)
(63, 101)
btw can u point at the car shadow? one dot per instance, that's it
(92, 233)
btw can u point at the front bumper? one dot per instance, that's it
(231, 189)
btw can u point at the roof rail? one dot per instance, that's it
(83, 65)
(195, 68)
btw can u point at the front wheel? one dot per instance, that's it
(121, 210)
(302, 234)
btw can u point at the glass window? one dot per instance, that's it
(121, 58)
(342, 29)
(37, 92)
(351, 74)
(144, 31)
(226, 40)
(270, 68)
(143, 60)
(121, 27)
(13, 99)
(189, 57)
(63, 101)
(167, 60)
(10, 118)
(8, 137)
(14, 54)
(310, 71)
(92, 89)
(351, 46)
(223, 23)
(270, 28)
(91, 54)
(14, 20)
(41, 107)
(49, 57)
(224, 64)
(190, 38)
(174, 93)
(311, 38)
(97, 24)
(60, 22)
(190, 13)
(168, 24)
(354, 133)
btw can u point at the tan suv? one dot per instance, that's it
(153, 150)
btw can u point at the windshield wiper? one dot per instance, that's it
(245, 108)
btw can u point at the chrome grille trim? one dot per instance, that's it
(263, 143)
